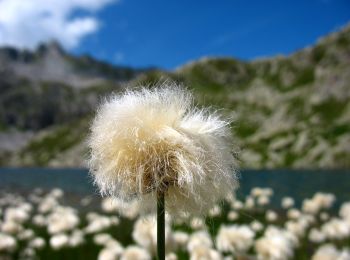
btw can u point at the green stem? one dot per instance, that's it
(160, 226)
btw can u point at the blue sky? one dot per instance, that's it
(167, 34)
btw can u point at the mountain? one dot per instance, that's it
(290, 111)
(44, 81)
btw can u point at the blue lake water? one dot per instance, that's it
(298, 184)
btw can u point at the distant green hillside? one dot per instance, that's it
(289, 111)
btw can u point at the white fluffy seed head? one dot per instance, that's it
(234, 239)
(152, 140)
(145, 234)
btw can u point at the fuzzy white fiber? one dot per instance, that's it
(154, 140)
(235, 239)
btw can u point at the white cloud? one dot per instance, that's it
(26, 23)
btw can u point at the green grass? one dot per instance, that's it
(330, 109)
(61, 139)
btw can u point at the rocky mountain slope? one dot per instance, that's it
(290, 111)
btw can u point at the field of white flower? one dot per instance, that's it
(44, 225)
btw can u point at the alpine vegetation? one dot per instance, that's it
(55, 224)
(154, 140)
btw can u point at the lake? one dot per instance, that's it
(298, 184)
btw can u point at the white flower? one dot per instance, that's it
(130, 210)
(276, 244)
(37, 243)
(316, 236)
(263, 200)
(181, 239)
(215, 211)
(232, 215)
(287, 202)
(11, 227)
(102, 239)
(336, 229)
(258, 192)
(249, 203)
(108, 253)
(297, 228)
(318, 202)
(17, 215)
(150, 140)
(99, 223)
(47, 204)
(56, 193)
(256, 226)
(204, 253)
(62, 219)
(271, 216)
(39, 220)
(7, 243)
(344, 211)
(135, 252)
(145, 234)
(197, 223)
(330, 252)
(25, 234)
(311, 206)
(234, 238)
(199, 239)
(171, 256)
(112, 251)
(237, 205)
(76, 238)
(293, 213)
(110, 205)
(59, 241)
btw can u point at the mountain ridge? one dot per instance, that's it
(291, 111)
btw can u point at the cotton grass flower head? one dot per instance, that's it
(7, 243)
(18, 215)
(59, 241)
(271, 216)
(336, 229)
(37, 243)
(62, 219)
(276, 244)
(11, 227)
(108, 253)
(287, 202)
(171, 256)
(102, 238)
(76, 238)
(98, 223)
(25, 234)
(145, 234)
(235, 239)
(203, 252)
(232, 215)
(344, 211)
(199, 239)
(135, 252)
(181, 238)
(256, 226)
(318, 202)
(316, 236)
(154, 140)
(112, 250)
(330, 252)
